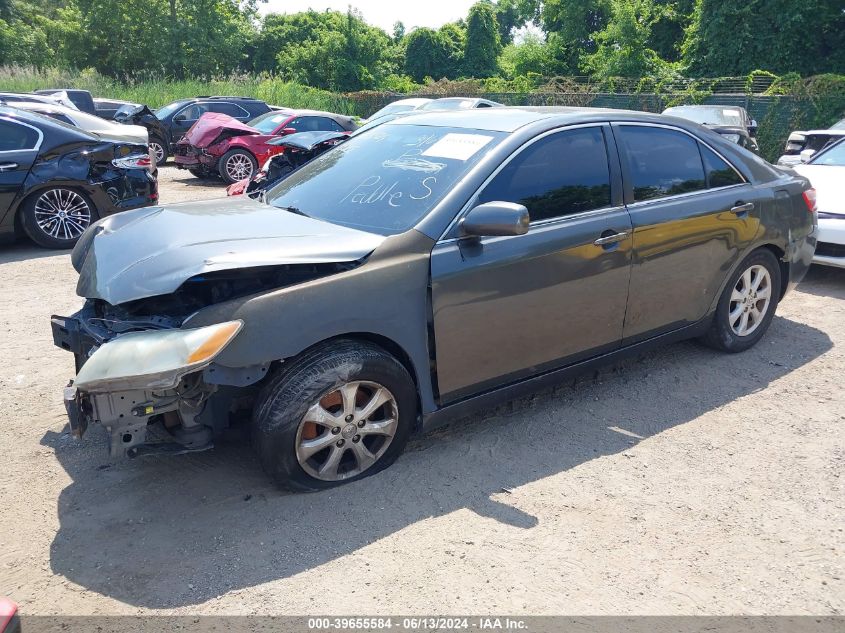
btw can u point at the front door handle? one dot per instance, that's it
(742, 208)
(611, 239)
(8, 166)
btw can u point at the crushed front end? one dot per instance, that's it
(142, 378)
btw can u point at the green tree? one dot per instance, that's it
(398, 31)
(513, 14)
(426, 54)
(575, 23)
(622, 46)
(533, 56)
(734, 38)
(482, 41)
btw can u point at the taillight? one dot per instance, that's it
(135, 161)
(810, 199)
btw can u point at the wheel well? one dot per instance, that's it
(388, 345)
(784, 267)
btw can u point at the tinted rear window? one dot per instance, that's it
(719, 173)
(14, 136)
(662, 162)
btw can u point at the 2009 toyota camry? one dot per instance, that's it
(431, 266)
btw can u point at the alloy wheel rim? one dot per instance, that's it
(238, 167)
(750, 300)
(62, 214)
(158, 150)
(347, 431)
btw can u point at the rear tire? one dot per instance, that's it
(236, 165)
(57, 216)
(318, 423)
(747, 305)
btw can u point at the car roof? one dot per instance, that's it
(40, 106)
(711, 106)
(510, 119)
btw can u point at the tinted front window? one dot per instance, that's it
(384, 181)
(835, 156)
(662, 162)
(314, 124)
(559, 175)
(194, 112)
(719, 173)
(15, 137)
(165, 111)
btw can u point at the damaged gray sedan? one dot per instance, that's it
(437, 264)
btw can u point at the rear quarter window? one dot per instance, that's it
(16, 137)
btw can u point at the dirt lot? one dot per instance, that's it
(684, 481)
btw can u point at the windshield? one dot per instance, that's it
(833, 156)
(384, 181)
(268, 122)
(165, 111)
(839, 125)
(709, 116)
(448, 104)
(394, 108)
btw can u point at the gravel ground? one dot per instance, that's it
(681, 482)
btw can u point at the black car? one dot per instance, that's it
(107, 108)
(437, 264)
(732, 122)
(137, 114)
(178, 117)
(56, 179)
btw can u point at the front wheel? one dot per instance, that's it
(747, 305)
(341, 412)
(57, 217)
(159, 149)
(237, 165)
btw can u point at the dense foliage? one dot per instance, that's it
(132, 39)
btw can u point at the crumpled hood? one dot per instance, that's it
(153, 250)
(829, 183)
(211, 124)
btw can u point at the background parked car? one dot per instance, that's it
(56, 179)
(801, 145)
(459, 103)
(732, 122)
(402, 105)
(82, 99)
(107, 108)
(87, 122)
(139, 114)
(221, 145)
(28, 97)
(178, 117)
(826, 171)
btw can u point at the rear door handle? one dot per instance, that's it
(611, 239)
(742, 208)
(8, 166)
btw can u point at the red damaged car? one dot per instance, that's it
(219, 144)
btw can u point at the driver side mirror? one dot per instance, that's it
(752, 129)
(495, 219)
(806, 155)
(289, 130)
(180, 118)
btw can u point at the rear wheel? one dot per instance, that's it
(342, 412)
(747, 305)
(57, 217)
(237, 165)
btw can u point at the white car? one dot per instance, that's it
(398, 107)
(826, 171)
(801, 145)
(85, 121)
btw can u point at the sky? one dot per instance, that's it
(383, 13)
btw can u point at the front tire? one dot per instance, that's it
(57, 217)
(747, 305)
(339, 413)
(159, 149)
(237, 165)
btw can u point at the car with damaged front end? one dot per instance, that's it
(437, 264)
